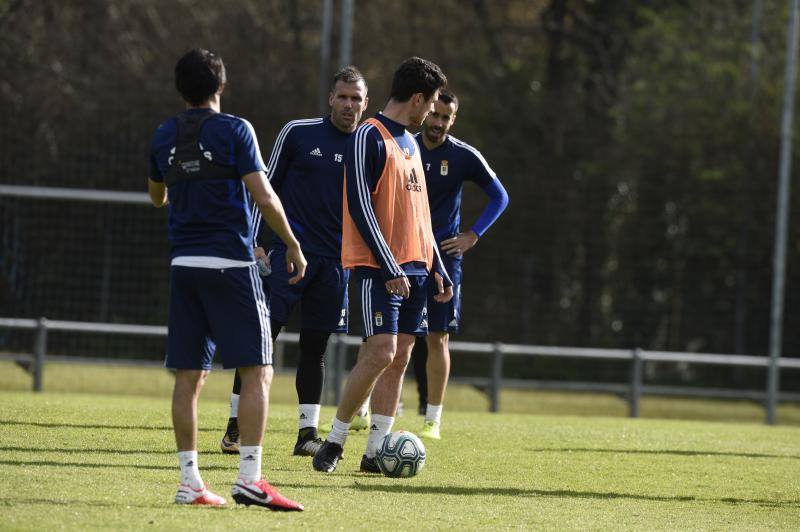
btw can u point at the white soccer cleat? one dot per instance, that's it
(203, 496)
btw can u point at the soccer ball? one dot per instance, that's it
(401, 454)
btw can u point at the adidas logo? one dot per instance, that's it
(190, 463)
(373, 427)
(316, 152)
(303, 416)
(249, 458)
(453, 322)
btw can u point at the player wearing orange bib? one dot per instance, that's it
(387, 242)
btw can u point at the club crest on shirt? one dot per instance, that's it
(443, 168)
(378, 319)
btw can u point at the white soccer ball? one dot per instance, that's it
(401, 454)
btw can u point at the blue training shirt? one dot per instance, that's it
(447, 167)
(212, 217)
(365, 159)
(306, 169)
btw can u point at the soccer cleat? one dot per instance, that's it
(327, 457)
(307, 442)
(260, 493)
(369, 465)
(230, 442)
(203, 496)
(431, 430)
(358, 423)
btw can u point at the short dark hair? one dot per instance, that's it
(447, 97)
(349, 74)
(416, 75)
(198, 75)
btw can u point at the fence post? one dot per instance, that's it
(636, 382)
(497, 377)
(40, 350)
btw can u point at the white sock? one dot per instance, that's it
(363, 410)
(338, 432)
(234, 405)
(309, 415)
(380, 427)
(190, 474)
(250, 462)
(433, 413)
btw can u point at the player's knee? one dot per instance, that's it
(401, 359)
(405, 342)
(437, 340)
(381, 352)
(256, 377)
(190, 379)
(381, 359)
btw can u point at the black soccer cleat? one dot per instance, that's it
(327, 457)
(308, 443)
(369, 465)
(230, 442)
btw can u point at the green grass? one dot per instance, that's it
(87, 461)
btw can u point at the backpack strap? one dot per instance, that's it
(189, 162)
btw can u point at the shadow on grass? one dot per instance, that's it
(92, 450)
(673, 452)
(96, 426)
(78, 465)
(404, 488)
(10, 501)
(220, 429)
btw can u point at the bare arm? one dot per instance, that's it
(158, 193)
(271, 209)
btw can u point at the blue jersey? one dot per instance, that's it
(211, 217)
(447, 167)
(306, 169)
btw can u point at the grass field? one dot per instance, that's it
(87, 461)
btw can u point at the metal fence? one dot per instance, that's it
(340, 345)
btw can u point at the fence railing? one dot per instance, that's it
(339, 345)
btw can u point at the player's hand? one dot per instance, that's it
(261, 254)
(456, 246)
(295, 262)
(399, 286)
(262, 261)
(443, 295)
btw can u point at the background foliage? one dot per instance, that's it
(638, 142)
